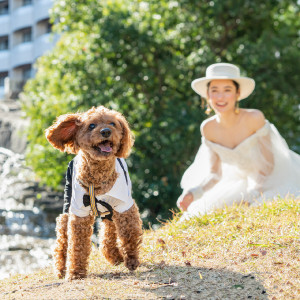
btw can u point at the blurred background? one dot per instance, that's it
(138, 57)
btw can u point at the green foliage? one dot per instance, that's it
(140, 58)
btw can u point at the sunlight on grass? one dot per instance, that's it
(250, 250)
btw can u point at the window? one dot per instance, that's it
(3, 75)
(49, 27)
(4, 8)
(43, 27)
(26, 73)
(3, 43)
(26, 2)
(26, 36)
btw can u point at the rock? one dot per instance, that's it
(26, 207)
(12, 125)
(27, 210)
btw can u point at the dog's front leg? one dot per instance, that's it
(129, 229)
(80, 230)
(108, 242)
(61, 245)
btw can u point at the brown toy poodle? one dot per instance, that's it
(97, 183)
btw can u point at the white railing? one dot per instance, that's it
(4, 61)
(4, 25)
(22, 54)
(41, 9)
(22, 17)
(44, 43)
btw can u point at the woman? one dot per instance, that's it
(242, 156)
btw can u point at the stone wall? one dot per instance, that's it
(26, 207)
(12, 126)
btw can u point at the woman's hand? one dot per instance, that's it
(184, 202)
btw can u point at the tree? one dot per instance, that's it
(140, 58)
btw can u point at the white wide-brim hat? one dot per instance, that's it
(224, 71)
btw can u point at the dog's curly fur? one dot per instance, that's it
(73, 133)
(60, 254)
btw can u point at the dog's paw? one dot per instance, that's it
(60, 275)
(75, 276)
(113, 256)
(131, 263)
(117, 260)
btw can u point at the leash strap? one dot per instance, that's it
(93, 201)
(125, 174)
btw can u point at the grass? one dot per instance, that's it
(237, 253)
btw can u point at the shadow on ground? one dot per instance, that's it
(177, 282)
(148, 282)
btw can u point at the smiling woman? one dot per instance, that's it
(242, 156)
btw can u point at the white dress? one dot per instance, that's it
(260, 168)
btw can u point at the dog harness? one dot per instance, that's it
(79, 203)
(103, 215)
(92, 201)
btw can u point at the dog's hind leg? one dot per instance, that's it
(129, 230)
(80, 230)
(108, 242)
(61, 245)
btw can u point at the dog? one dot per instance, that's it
(97, 183)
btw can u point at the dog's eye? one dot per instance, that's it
(112, 124)
(92, 126)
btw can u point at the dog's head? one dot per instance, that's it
(100, 132)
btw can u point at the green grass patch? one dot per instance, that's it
(239, 252)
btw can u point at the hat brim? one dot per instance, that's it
(247, 85)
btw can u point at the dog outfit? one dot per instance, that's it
(119, 197)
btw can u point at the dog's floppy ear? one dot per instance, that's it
(127, 139)
(62, 133)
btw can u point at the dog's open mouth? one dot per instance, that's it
(104, 147)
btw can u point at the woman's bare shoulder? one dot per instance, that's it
(208, 126)
(254, 118)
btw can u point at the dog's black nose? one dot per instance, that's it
(105, 132)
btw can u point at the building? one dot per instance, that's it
(24, 36)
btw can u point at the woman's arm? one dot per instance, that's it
(186, 199)
(257, 121)
(212, 179)
(267, 165)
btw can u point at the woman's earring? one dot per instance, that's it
(237, 109)
(208, 109)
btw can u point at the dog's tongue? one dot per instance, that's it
(105, 147)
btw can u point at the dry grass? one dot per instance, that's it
(237, 253)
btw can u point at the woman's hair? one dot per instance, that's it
(237, 86)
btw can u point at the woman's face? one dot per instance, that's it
(222, 95)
